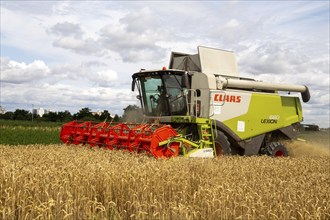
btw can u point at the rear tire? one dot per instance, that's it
(276, 149)
(222, 145)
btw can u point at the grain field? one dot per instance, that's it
(70, 182)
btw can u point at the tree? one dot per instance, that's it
(116, 118)
(64, 116)
(57, 116)
(132, 113)
(21, 114)
(50, 116)
(105, 115)
(84, 114)
(7, 116)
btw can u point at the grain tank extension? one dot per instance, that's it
(201, 107)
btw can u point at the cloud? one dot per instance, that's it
(140, 20)
(270, 57)
(30, 7)
(128, 35)
(76, 54)
(291, 62)
(133, 39)
(36, 84)
(18, 73)
(104, 78)
(83, 46)
(233, 23)
(89, 73)
(71, 36)
(67, 29)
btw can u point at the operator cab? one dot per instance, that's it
(162, 92)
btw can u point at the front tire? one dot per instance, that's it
(222, 145)
(276, 149)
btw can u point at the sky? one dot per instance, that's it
(68, 55)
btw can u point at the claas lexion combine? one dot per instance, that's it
(201, 107)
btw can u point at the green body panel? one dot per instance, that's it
(205, 127)
(291, 110)
(266, 113)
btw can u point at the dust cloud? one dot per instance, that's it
(307, 148)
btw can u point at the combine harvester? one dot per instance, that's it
(201, 107)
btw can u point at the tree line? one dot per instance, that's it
(131, 113)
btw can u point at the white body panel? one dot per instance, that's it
(217, 61)
(229, 104)
(202, 153)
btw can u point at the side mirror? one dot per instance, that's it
(133, 84)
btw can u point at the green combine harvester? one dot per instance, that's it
(201, 107)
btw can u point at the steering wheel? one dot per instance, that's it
(155, 97)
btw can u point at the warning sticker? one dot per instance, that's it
(217, 109)
(240, 126)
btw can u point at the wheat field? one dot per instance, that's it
(75, 182)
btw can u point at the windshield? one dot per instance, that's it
(162, 94)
